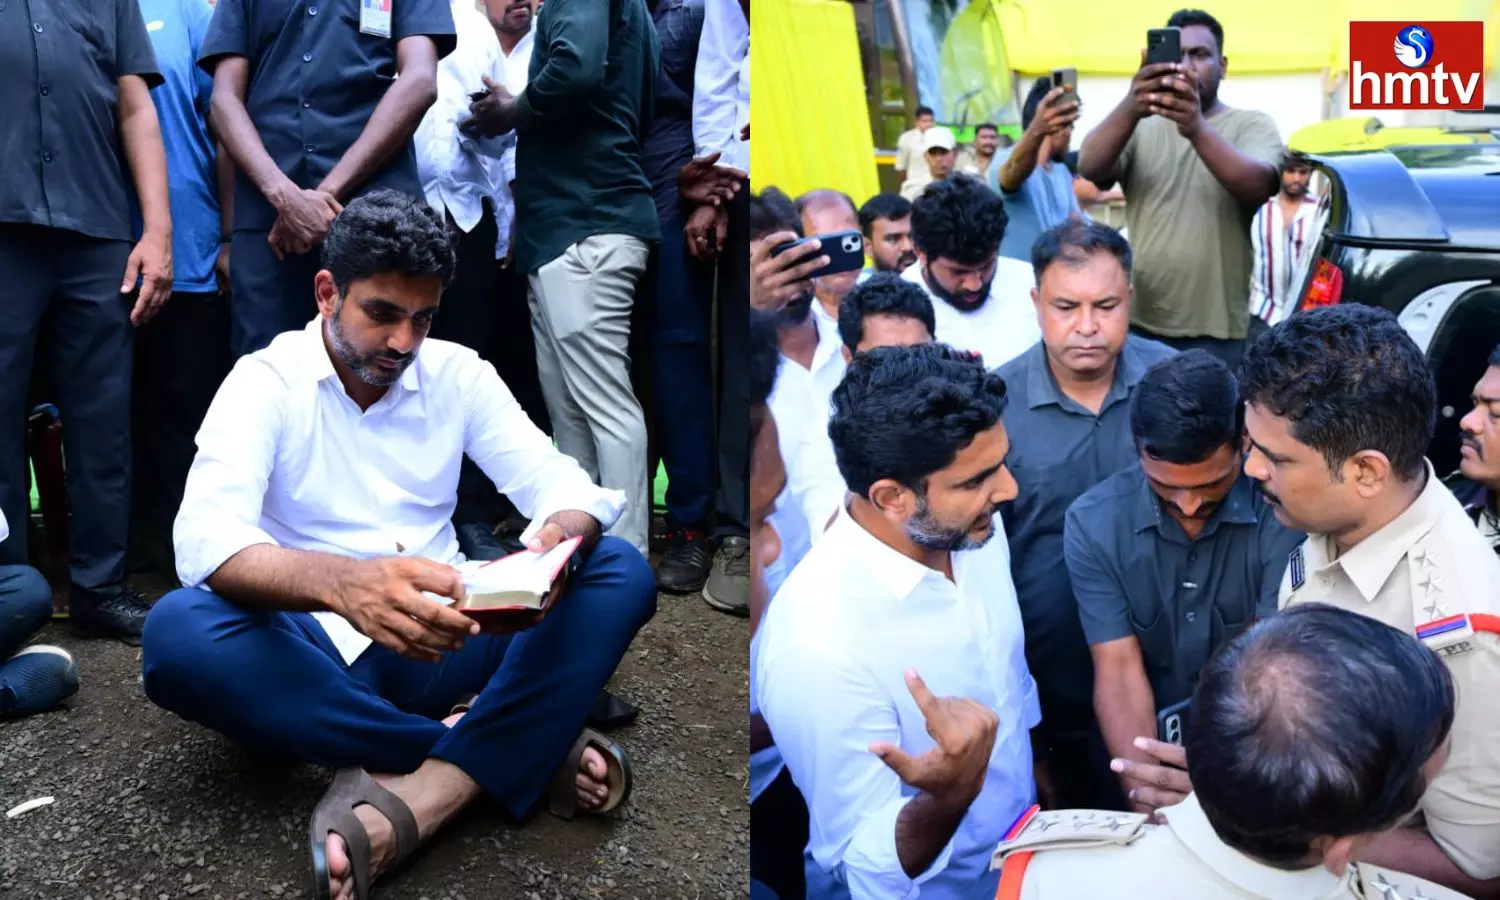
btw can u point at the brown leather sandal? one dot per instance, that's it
(335, 814)
(563, 801)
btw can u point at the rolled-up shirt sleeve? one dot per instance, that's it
(226, 485)
(540, 480)
(853, 798)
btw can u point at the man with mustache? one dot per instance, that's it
(978, 296)
(1171, 558)
(907, 596)
(315, 541)
(885, 220)
(1478, 478)
(1069, 422)
(1340, 410)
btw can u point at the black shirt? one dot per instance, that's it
(314, 82)
(1058, 450)
(60, 65)
(584, 117)
(1136, 572)
(669, 144)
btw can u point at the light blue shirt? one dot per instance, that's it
(1044, 201)
(176, 29)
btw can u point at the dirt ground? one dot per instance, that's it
(149, 807)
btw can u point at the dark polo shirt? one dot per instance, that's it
(1058, 450)
(60, 66)
(1136, 572)
(315, 80)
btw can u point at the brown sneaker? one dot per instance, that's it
(728, 587)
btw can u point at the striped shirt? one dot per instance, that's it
(1279, 248)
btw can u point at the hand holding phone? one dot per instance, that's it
(1161, 75)
(845, 251)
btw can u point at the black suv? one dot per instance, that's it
(1417, 230)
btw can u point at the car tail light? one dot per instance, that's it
(1326, 286)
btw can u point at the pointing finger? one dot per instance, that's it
(926, 702)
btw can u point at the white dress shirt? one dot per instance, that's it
(721, 84)
(285, 457)
(835, 645)
(1002, 328)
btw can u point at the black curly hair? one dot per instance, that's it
(772, 210)
(1349, 378)
(958, 219)
(388, 231)
(905, 412)
(883, 294)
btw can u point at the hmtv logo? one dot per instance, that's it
(1405, 65)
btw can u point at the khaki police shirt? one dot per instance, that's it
(1076, 856)
(1427, 564)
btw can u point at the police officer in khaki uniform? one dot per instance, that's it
(1312, 733)
(1340, 411)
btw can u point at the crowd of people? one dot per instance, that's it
(1083, 563)
(332, 298)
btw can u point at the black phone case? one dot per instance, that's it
(845, 251)
(1163, 45)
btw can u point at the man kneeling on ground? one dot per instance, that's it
(317, 513)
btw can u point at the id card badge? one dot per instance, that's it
(375, 17)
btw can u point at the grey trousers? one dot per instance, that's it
(580, 316)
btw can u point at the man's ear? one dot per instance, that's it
(326, 292)
(1339, 853)
(1371, 471)
(893, 500)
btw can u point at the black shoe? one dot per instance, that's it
(685, 566)
(116, 612)
(476, 540)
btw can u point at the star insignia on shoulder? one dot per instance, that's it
(1386, 889)
(1424, 558)
(1042, 823)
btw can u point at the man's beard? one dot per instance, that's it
(962, 305)
(903, 262)
(796, 311)
(1299, 190)
(928, 533)
(363, 364)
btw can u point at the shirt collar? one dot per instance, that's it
(319, 364)
(885, 565)
(1370, 562)
(1238, 507)
(1042, 389)
(1191, 826)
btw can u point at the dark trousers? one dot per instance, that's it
(62, 292)
(734, 381)
(680, 292)
(274, 682)
(778, 837)
(1228, 351)
(485, 310)
(181, 358)
(25, 606)
(268, 296)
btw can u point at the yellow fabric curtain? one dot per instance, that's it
(811, 127)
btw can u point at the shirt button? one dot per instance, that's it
(306, 104)
(307, 57)
(37, 27)
(1191, 616)
(307, 148)
(312, 10)
(46, 157)
(1192, 557)
(44, 90)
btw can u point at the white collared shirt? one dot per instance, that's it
(1002, 328)
(835, 645)
(285, 457)
(721, 84)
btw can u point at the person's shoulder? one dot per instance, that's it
(1015, 370)
(1098, 853)
(447, 361)
(1238, 122)
(1147, 351)
(1104, 498)
(1379, 882)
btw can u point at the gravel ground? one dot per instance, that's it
(149, 807)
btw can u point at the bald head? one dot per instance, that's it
(826, 211)
(1315, 724)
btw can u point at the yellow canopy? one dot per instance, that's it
(1261, 36)
(811, 126)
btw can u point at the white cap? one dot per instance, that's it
(938, 137)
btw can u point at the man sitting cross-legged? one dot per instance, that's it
(317, 513)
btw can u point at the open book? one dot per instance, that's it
(521, 583)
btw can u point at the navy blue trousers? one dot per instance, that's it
(274, 682)
(681, 380)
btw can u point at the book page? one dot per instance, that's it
(527, 572)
